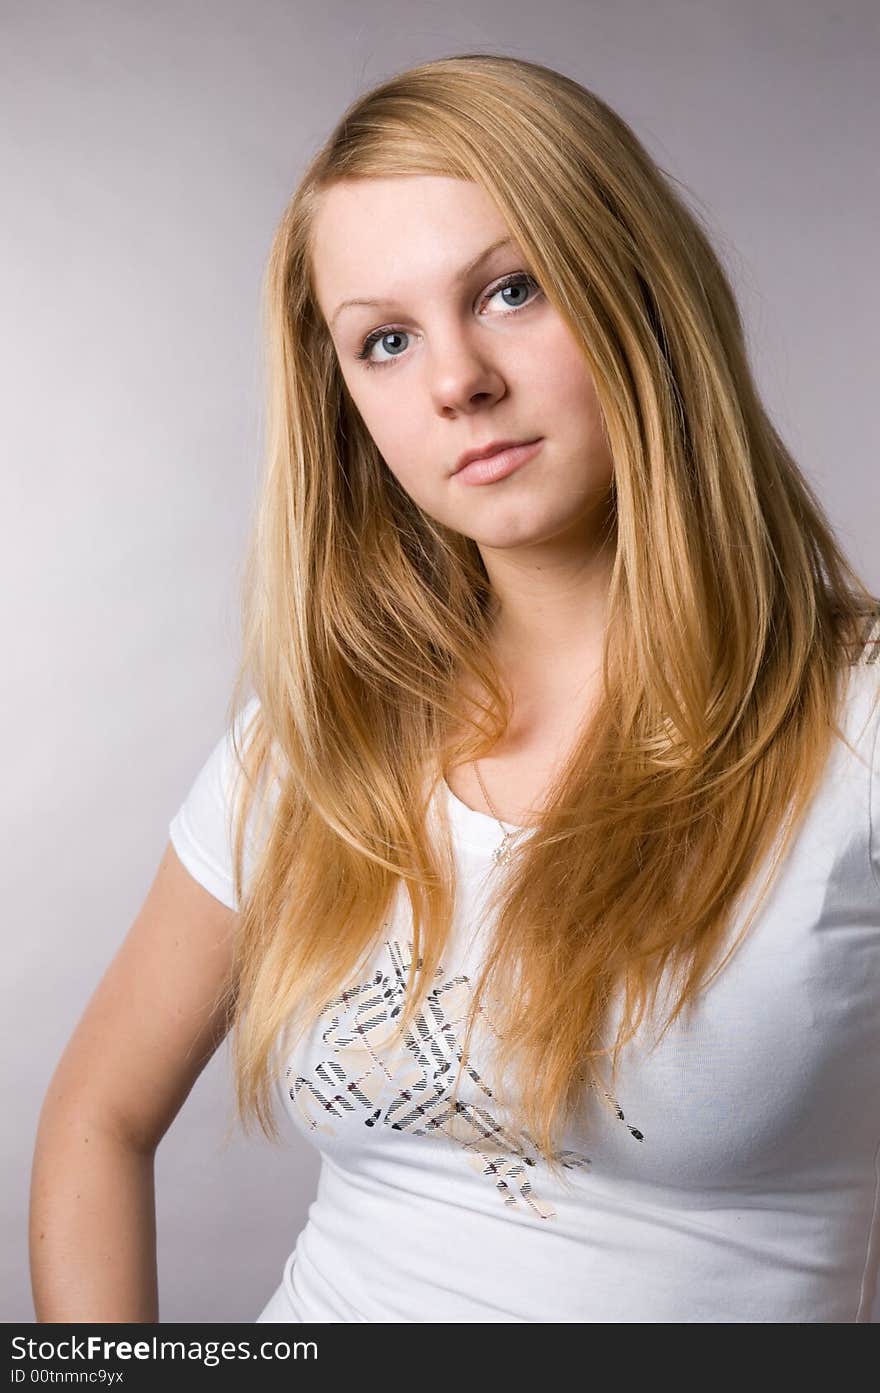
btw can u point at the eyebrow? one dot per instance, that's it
(458, 278)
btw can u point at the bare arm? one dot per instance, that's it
(92, 1225)
(150, 1028)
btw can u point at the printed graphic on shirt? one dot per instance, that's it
(408, 1085)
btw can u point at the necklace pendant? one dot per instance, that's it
(502, 850)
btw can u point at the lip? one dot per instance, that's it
(496, 462)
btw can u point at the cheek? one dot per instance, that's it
(563, 380)
(396, 434)
(402, 446)
(399, 436)
(570, 408)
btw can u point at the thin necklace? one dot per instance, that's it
(505, 848)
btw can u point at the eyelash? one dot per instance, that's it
(516, 278)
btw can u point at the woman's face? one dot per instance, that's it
(455, 361)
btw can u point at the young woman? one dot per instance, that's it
(535, 877)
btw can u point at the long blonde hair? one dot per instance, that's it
(732, 619)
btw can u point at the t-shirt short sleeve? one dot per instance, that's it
(870, 666)
(874, 806)
(202, 830)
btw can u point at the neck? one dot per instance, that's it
(550, 614)
(551, 649)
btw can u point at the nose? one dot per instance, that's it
(463, 377)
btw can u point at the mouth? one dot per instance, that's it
(496, 461)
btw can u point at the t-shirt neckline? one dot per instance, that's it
(477, 830)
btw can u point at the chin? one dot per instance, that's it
(509, 538)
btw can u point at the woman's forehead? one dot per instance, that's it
(380, 243)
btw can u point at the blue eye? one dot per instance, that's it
(375, 337)
(520, 280)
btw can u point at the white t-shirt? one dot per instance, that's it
(735, 1176)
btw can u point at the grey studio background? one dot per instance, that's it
(147, 153)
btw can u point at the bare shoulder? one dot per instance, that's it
(156, 1016)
